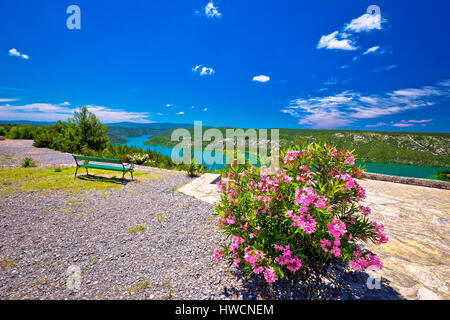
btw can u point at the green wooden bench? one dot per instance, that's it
(85, 162)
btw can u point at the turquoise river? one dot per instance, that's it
(393, 169)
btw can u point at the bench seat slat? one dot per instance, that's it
(99, 166)
(96, 159)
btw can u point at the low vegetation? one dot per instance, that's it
(27, 163)
(443, 175)
(372, 146)
(58, 180)
(136, 229)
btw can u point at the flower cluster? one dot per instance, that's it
(279, 219)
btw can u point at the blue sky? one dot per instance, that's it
(291, 64)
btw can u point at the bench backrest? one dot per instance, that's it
(96, 159)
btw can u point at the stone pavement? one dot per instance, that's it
(203, 188)
(416, 258)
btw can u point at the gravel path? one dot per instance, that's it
(47, 238)
(12, 153)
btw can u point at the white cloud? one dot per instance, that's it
(345, 38)
(403, 125)
(348, 107)
(108, 115)
(7, 100)
(410, 123)
(181, 112)
(379, 124)
(13, 52)
(345, 66)
(366, 22)
(204, 71)
(445, 83)
(159, 114)
(332, 42)
(205, 109)
(211, 11)
(371, 50)
(261, 78)
(385, 68)
(54, 112)
(169, 105)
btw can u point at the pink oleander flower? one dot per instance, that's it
(350, 161)
(365, 210)
(336, 228)
(269, 275)
(381, 236)
(325, 245)
(217, 254)
(258, 270)
(235, 243)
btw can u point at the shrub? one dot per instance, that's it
(27, 163)
(194, 169)
(306, 210)
(138, 159)
(443, 175)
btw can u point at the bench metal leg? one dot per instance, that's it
(76, 171)
(87, 172)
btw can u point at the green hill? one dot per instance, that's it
(422, 148)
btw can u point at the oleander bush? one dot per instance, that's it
(308, 209)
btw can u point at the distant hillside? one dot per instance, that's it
(392, 147)
(118, 132)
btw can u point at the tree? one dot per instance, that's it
(92, 131)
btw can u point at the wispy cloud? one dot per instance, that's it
(385, 68)
(331, 41)
(348, 107)
(203, 71)
(211, 11)
(14, 53)
(371, 50)
(205, 109)
(410, 123)
(63, 111)
(180, 113)
(379, 124)
(402, 125)
(8, 100)
(261, 78)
